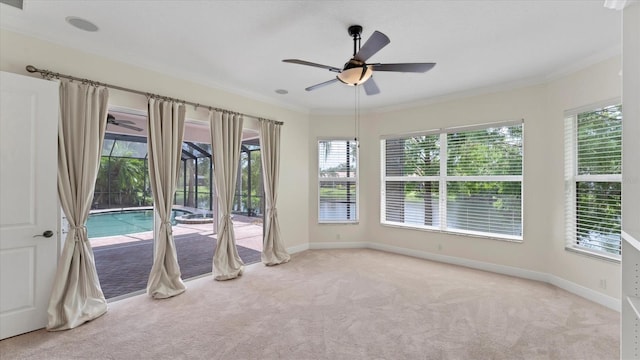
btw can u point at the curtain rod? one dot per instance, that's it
(47, 74)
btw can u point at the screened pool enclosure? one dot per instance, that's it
(123, 178)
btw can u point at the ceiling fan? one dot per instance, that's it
(356, 71)
(122, 123)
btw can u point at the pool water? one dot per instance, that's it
(115, 223)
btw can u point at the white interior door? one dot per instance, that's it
(29, 210)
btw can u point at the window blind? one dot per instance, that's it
(593, 161)
(412, 167)
(337, 181)
(485, 171)
(492, 152)
(461, 180)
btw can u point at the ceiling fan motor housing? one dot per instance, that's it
(355, 72)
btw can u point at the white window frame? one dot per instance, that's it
(383, 179)
(355, 179)
(571, 178)
(443, 178)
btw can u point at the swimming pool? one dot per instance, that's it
(113, 223)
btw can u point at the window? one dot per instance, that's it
(459, 180)
(411, 180)
(337, 181)
(593, 178)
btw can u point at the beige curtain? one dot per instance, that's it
(166, 131)
(76, 296)
(226, 137)
(273, 252)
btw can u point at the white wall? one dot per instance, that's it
(541, 107)
(630, 180)
(591, 85)
(631, 126)
(17, 51)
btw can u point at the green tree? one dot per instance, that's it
(257, 188)
(250, 189)
(121, 179)
(423, 159)
(486, 152)
(191, 183)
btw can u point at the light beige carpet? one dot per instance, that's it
(343, 304)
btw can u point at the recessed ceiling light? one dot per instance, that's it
(81, 23)
(282, 91)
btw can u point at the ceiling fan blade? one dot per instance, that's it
(313, 87)
(404, 67)
(128, 126)
(302, 62)
(376, 42)
(370, 87)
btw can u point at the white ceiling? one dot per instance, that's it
(238, 45)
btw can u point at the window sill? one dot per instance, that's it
(339, 222)
(511, 239)
(593, 254)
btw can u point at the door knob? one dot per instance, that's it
(46, 234)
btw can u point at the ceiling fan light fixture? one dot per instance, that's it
(355, 75)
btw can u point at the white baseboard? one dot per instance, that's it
(298, 248)
(339, 245)
(589, 294)
(597, 297)
(474, 264)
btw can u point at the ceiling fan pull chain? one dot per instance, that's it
(357, 115)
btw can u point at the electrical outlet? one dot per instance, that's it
(337, 236)
(439, 247)
(603, 283)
